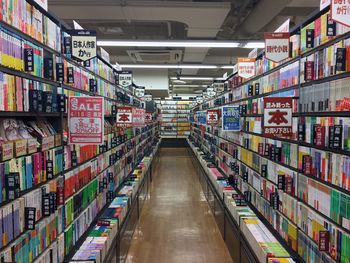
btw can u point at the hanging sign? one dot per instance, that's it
(105, 55)
(246, 67)
(83, 44)
(124, 117)
(324, 4)
(139, 92)
(253, 53)
(231, 118)
(284, 27)
(212, 117)
(276, 46)
(278, 117)
(124, 78)
(340, 11)
(148, 97)
(199, 99)
(86, 120)
(219, 87)
(211, 92)
(138, 117)
(201, 117)
(148, 117)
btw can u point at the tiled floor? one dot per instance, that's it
(176, 224)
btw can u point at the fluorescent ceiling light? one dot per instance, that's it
(179, 81)
(189, 86)
(197, 78)
(168, 66)
(166, 43)
(255, 45)
(227, 67)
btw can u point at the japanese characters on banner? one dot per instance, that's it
(83, 44)
(201, 117)
(246, 67)
(124, 78)
(231, 118)
(276, 46)
(140, 92)
(86, 120)
(219, 87)
(278, 116)
(138, 117)
(284, 27)
(340, 11)
(213, 117)
(124, 117)
(148, 97)
(148, 117)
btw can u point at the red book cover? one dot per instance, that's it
(307, 164)
(320, 135)
(309, 71)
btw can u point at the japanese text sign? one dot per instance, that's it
(83, 44)
(231, 118)
(276, 46)
(148, 97)
(201, 117)
(219, 87)
(278, 117)
(86, 120)
(246, 67)
(148, 117)
(212, 117)
(124, 78)
(340, 11)
(124, 117)
(199, 99)
(138, 117)
(211, 91)
(140, 92)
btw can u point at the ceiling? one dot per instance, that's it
(182, 20)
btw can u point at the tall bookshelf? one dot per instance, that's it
(51, 191)
(308, 171)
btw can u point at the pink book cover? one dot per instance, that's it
(19, 94)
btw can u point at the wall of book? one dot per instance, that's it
(298, 184)
(52, 191)
(174, 121)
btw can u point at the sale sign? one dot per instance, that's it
(212, 117)
(246, 67)
(340, 11)
(85, 120)
(124, 117)
(138, 117)
(276, 46)
(278, 117)
(148, 117)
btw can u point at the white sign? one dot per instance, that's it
(253, 53)
(235, 69)
(42, 3)
(211, 92)
(77, 26)
(340, 11)
(83, 44)
(140, 92)
(246, 67)
(276, 46)
(284, 27)
(324, 4)
(124, 78)
(105, 55)
(219, 87)
(199, 99)
(148, 97)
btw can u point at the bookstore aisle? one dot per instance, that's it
(176, 224)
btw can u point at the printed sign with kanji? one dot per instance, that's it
(124, 78)
(86, 120)
(278, 117)
(148, 117)
(231, 118)
(340, 11)
(138, 117)
(124, 117)
(212, 117)
(246, 67)
(83, 44)
(201, 117)
(276, 46)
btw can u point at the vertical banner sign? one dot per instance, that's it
(86, 120)
(340, 11)
(148, 97)
(219, 87)
(124, 78)
(148, 117)
(278, 117)
(212, 117)
(276, 46)
(201, 117)
(246, 67)
(83, 44)
(124, 117)
(138, 117)
(140, 92)
(211, 92)
(231, 118)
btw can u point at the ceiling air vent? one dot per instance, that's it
(154, 56)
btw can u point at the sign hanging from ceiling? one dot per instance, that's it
(340, 11)
(124, 78)
(231, 118)
(278, 116)
(219, 87)
(199, 99)
(139, 92)
(86, 120)
(276, 46)
(124, 117)
(284, 27)
(148, 97)
(83, 44)
(138, 117)
(212, 117)
(211, 92)
(246, 67)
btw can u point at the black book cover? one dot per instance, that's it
(29, 59)
(331, 27)
(29, 218)
(48, 68)
(338, 137)
(59, 72)
(264, 170)
(257, 88)
(47, 101)
(33, 100)
(70, 75)
(250, 90)
(340, 58)
(331, 136)
(67, 45)
(301, 132)
(310, 36)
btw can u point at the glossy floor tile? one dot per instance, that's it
(176, 224)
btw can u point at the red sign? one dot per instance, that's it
(148, 117)
(246, 67)
(138, 117)
(278, 117)
(340, 11)
(212, 117)
(124, 117)
(276, 46)
(86, 120)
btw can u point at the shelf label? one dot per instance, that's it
(231, 119)
(246, 67)
(340, 11)
(212, 117)
(124, 117)
(83, 44)
(138, 117)
(86, 120)
(278, 117)
(276, 46)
